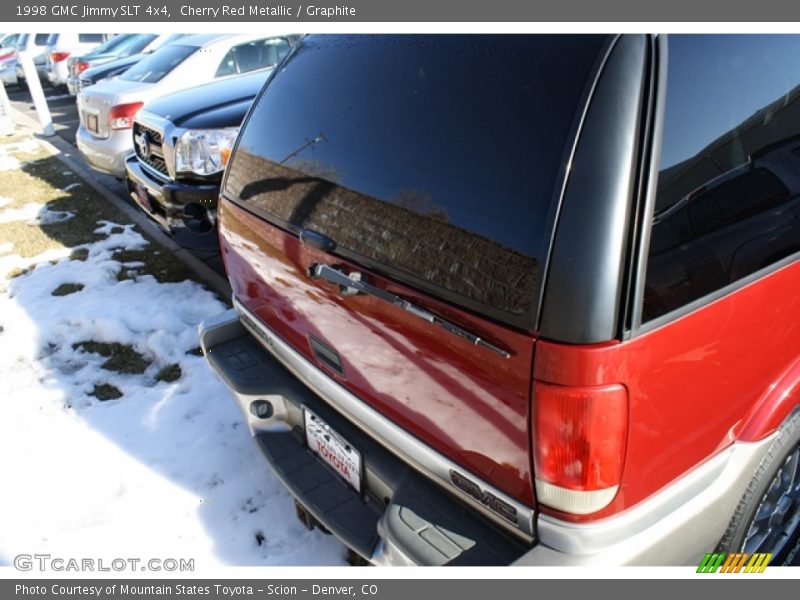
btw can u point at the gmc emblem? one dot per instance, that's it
(487, 498)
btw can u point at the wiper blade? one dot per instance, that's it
(352, 284)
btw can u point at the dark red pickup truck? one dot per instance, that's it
(523, 299)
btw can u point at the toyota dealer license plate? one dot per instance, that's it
(142, 198)
(333, 449)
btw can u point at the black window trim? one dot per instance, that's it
(630, 308)
(637, 327)
(632, 316)
(566, 168)
(528, 322)
(586, 292)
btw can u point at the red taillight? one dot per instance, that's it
(121, 116)
(81, 66)
(579, 436)
(59, 56)
(5, 55)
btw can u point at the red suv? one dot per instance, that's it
(523, 299)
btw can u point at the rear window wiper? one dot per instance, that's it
(353, 284)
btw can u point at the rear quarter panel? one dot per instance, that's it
(696, 384)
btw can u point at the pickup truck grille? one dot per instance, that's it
(148, 144)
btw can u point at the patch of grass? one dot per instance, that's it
(42, 180)
(121, 358)
(80, 254)
(15, 138)
(19, 272)
(66, 289)
(126, 274)
(169, 373)
(105, 391)
(36, 189)
(161, 265)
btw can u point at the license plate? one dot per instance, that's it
(333, 449)
(91, 123)
(142, 198)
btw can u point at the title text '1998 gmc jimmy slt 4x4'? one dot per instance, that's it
(523, 299)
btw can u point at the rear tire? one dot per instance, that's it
(768, 516)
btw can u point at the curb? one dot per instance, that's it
(65, 152)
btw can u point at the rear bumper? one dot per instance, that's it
(72, 85)
(105, 155)
(409, 520)
(57, 74)
(400, 518)
(8, 72)
(167, 202)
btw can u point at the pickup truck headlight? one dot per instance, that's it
(201, 151)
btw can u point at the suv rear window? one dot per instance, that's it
(159, 64)
(435, 159)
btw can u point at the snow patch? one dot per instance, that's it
(35, 213)
(11, 262)
(48, 217)
(168, 466)
(29, 146)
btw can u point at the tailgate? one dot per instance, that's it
(467, 402)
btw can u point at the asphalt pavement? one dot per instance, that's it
(62, 108)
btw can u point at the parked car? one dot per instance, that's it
(107, 109)
(464, 330)
(120, 46)
(111, 49)
(107, 70)
(181, 142)
(95, 74)
(35, 44)
(8, 58)
(8, 43)
(60, 46)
